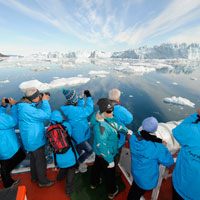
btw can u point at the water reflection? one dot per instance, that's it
(143, 90)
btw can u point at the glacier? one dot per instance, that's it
(163, 51)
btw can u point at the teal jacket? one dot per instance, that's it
(9, 143)
(186, 175)
(31, 124)
(122, 117)
(67, 159)
(106, 140)
(77, 117)
(145, 159)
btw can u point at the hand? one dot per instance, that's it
(111, 165)
(130, 132)
(45, 97)
(3, 102)
(87, 93)
(164, 143)
(12, 101)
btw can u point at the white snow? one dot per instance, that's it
(54, 83)
(178, 101)
(6, 81)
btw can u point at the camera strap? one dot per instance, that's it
(118, 134)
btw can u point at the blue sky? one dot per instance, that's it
(31, 26)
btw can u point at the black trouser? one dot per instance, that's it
(8, 165)
(117, 157)
(69, 174)
(135, 192)
(100, 165)
(176, 196)
(38, 165)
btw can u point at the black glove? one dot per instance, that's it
(87, 93)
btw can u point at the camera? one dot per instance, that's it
(7, 100)
(47, 93)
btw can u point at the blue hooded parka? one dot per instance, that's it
(123, 117)
(68, 158)
(145, 159)
(31, 123)
(77, 117)
(186, 175)
(9, 143)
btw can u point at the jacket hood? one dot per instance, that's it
(56, 116)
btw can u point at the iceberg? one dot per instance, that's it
(53, 84)
(179, 101)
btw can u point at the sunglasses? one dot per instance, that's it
(109, 111)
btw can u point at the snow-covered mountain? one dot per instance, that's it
(164, 51)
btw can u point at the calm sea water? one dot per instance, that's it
(142, 94)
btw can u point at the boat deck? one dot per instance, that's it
(57, 191)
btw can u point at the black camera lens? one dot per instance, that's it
(7, 100)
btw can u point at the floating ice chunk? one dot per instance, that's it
(6, 81)
(174, 83)
(40, 69)
(98, 72)
(34, 83)
(101, 75)
(178, 101)
(53, 84)
(193, 78)
(158, 82)
(131, 96)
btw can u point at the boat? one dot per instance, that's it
(27, 190)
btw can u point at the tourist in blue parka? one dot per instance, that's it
(105, 145)
(122, 117)
(147, 152)
(32, 132)
(186, 174)
(11, 154)
(77, 113)
(67, 161)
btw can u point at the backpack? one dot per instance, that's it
(59, 138)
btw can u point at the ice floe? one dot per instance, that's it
(38, 69)
(178, 101)
(174, 83)
(193, 78)
(98, 72)
(6, 81)
(54, 83)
